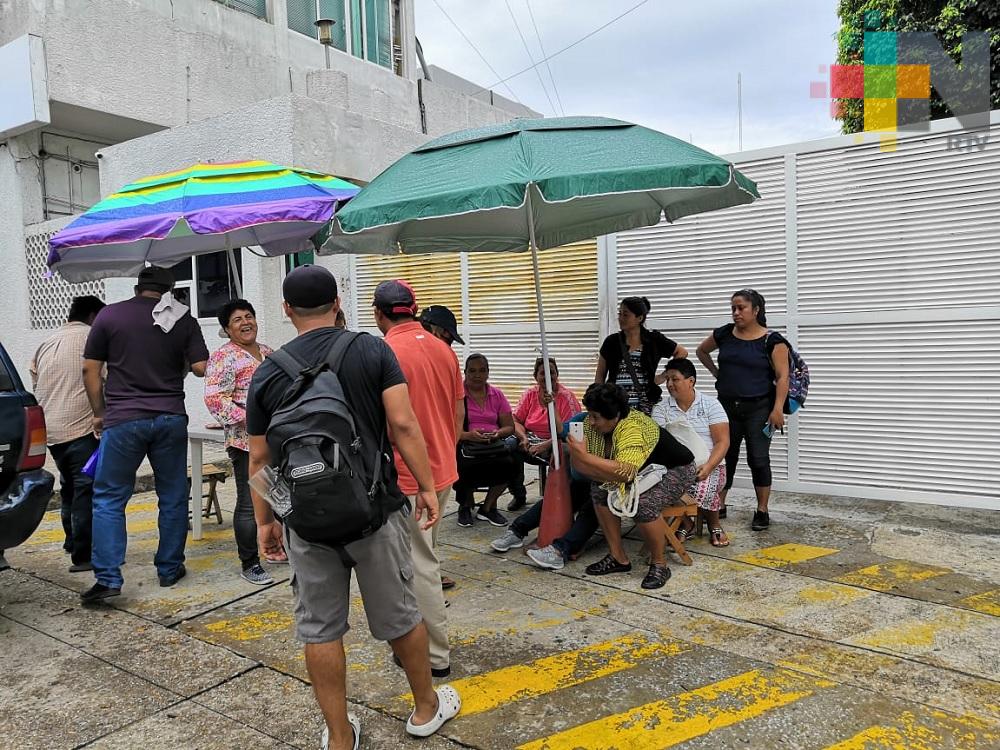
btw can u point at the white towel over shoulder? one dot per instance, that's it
(167, 312)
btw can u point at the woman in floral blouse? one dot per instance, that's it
(227, 380)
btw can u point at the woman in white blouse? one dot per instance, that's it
(707, 417)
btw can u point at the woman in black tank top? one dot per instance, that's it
(752, 382)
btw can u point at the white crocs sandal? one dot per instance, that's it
(449, 704)
(355, 725)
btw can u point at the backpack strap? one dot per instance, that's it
(288, 362)
(335, 357)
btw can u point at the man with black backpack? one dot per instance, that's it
(317, 412)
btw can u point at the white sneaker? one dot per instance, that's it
(547, 557)
(355, 725)
(508, 541)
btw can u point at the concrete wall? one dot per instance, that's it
(16, 334)
(171, 62)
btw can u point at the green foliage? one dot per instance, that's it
(948, 19)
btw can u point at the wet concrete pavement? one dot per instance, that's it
(847, 624)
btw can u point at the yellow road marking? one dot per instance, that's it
(252, 627)
(491, 690)
(988, 603)
(55, 516)
(683, 717)
(785, 554)
(925, 733)
(826, 593)
(888, 576)
(206, 562)
(209, 535)
(920, 633)
(134, 526)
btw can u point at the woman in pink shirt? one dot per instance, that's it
(531, 425)
(227, 380)
(484, 460)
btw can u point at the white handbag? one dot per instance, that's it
(625, 504)
(685, 434)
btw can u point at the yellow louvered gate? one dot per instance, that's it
(497, 312)
(436, 280)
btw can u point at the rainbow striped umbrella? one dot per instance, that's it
(167, 218)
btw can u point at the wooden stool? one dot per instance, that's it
(673, 516)
(213, 474)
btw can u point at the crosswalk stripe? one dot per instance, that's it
(988, 603)
(253, 627)
(920, 633)
(491, 690)
(924, 733)
(548, 674)
(784, 554)
(890, 575)
(48, 536)
(682, 717)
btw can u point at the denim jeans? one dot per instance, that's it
(584, 523)
(77, 492)
(521, 457)
(747, 418)
(244, 523)
(163, 439)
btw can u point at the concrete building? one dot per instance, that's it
(100, 92)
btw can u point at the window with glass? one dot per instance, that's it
(253, 7)
(206, 284)
(363, 27)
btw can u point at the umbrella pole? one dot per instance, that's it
(556, 453)
(231, 255)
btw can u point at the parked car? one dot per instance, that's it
(25, 487)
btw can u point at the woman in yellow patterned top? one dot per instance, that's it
(618, 442)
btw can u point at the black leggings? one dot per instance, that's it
(747, 418)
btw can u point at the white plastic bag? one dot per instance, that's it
(685, 434)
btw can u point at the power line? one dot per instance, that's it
(564, 49)
(531, 59)
(471, 44)
(541, 46)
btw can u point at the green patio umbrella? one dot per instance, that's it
(534, 184)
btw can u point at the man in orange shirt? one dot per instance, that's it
(438, 397)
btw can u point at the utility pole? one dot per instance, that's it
(739, 108)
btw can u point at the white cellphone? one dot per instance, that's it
(576, 430)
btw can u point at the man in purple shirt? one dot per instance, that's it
(140, 413)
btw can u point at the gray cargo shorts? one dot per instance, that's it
(322, 584)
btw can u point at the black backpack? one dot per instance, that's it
(317, 450)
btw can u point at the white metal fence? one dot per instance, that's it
(883, 267)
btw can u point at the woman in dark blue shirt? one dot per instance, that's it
(752, 383)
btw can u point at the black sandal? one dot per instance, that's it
(608, 564)
(657, 576)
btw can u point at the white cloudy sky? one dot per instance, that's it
(671, 64)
